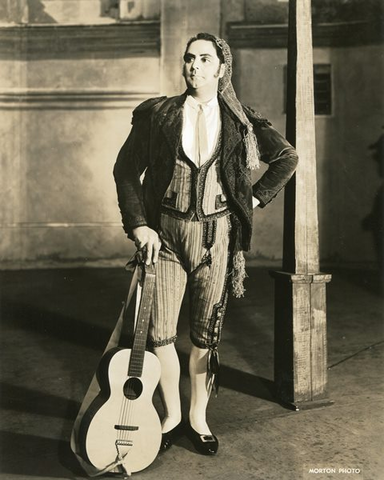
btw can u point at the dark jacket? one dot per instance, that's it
(152, 147)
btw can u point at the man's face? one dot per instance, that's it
(202, 66)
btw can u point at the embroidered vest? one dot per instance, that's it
(196, 193)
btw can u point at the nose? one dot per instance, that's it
(194, 65)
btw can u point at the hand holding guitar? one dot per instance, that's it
(148, 241)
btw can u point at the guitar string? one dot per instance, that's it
(127, 408)
(136, 362)
(126, 415)
(121, 416)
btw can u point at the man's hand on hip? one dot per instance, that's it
(147, 240)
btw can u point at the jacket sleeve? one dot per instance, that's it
(131, 162)
(280, 156)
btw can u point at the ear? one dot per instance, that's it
(222, 70)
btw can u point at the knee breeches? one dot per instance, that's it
(194, 255)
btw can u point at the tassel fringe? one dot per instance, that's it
(239, 274)
(252, 149)
(213, 369)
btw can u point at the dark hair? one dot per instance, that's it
(209, 38)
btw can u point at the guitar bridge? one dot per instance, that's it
(130, 428)
(123, 443)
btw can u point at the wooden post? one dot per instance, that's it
(300, 304)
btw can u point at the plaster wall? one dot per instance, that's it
(76, 12)
(62, 127)
(347, 176)
(64, 119)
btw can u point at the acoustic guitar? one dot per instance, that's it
(121, 428)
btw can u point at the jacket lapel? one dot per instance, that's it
(171, 123)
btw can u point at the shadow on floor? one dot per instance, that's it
(238, 381)
(40, 457)
(22, 399)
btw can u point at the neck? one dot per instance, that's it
(202, 95)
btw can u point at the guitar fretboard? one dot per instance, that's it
(141, 331)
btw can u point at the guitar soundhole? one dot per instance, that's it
(133, 388)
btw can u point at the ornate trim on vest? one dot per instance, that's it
(193, 186)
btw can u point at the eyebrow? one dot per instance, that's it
(188, 55)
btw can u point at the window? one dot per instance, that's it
(322, 88)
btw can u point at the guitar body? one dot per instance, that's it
(122, 420)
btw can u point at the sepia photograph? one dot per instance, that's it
(191, 239)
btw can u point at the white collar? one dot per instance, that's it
(192, 102)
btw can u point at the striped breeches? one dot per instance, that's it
(194, 255)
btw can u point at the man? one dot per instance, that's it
(192, 215)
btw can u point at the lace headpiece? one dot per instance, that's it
(228, 94)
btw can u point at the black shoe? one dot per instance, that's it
(204, 444)
(168, 438)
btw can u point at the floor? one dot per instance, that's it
(55, 324)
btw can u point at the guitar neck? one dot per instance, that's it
(135, 368)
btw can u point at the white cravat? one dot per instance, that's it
(211, 111)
